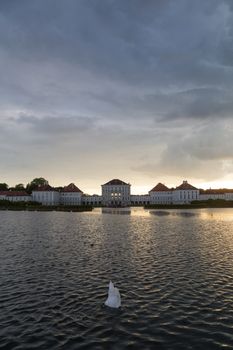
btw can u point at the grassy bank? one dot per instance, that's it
(34, 206)
(218, 203)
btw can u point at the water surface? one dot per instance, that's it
(174, 269)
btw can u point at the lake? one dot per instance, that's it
(174, 270)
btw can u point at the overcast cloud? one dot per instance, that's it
(96, 89)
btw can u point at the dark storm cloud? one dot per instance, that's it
(152, 44)
(116, 71)
(129, 40)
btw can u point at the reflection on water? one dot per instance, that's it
(208, 213)
(116, 211)
(174, 272)
(159, 212)
(186, 214)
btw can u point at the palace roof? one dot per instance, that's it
(115, 182)
(44, 188)
(17, 194)
(14, 193)
(160, 188)
(186, 186)
(71, 188)
(216, 191)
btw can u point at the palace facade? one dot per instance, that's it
(117, 193)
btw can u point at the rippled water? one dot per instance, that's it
(174, 271)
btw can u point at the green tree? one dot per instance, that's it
(3, 186)
(19, 187)
(38, 181)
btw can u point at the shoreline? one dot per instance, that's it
(90, 208)
(190, 206)
(47, 208)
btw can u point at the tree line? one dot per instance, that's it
(38, 181)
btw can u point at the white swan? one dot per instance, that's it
(114, 298)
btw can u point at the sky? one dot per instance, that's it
(140, 90)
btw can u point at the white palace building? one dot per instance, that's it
(117, 193)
